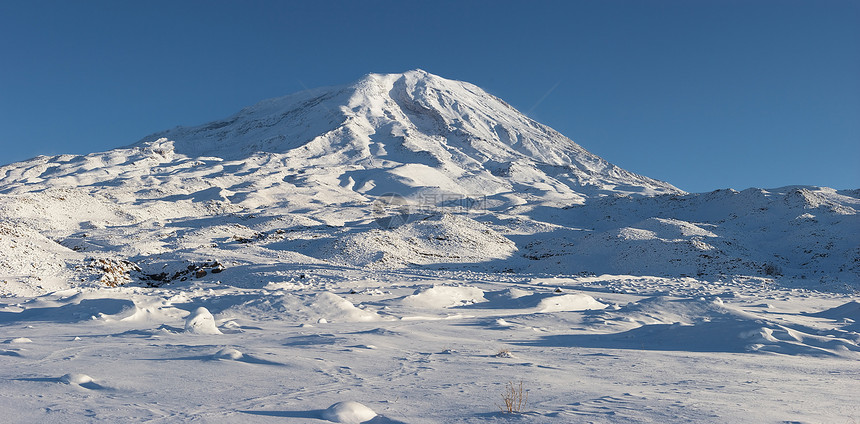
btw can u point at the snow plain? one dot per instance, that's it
(399, 250)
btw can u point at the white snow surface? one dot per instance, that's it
(398, 250)
(349, 412)
(201, 321)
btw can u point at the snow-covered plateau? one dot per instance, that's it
(411, 249)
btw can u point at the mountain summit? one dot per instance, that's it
(411, 132)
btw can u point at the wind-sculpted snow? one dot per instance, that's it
(351, 346)
(702, 325)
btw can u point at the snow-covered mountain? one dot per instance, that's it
(406, 249)
(412, 131)
(320, 176)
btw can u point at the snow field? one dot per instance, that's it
(656, 356)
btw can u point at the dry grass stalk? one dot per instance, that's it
(514, 398)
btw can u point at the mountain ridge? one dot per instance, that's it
(397, 171)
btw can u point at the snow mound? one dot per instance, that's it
(434, 239)
(75, 378)
(665, 310)
(569, 302)
(674, 229)
(330, 306)
(306, 308)
(850, 310)
(31, 263)
(509, 298)
(444, 297)
(847, 313)
(349, 412)
(529, 302)
(228, 353)
(201, 321)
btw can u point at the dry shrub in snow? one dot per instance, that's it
(514, 398)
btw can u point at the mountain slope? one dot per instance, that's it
(306, 180)
(413, 132)
(800, 232)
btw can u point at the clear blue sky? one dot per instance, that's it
(704, 94)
